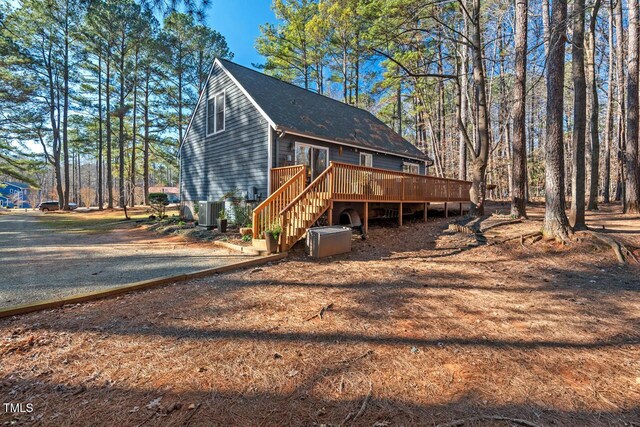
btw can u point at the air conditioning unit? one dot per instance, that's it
(208, 213)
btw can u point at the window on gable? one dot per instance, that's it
(366, 159)
(211, 118)
(216, 113)
(411, 168)
(220, 112)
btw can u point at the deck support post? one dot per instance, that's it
(426, 211)
(446, 210)
(461, 209)
(330, 213)
(400, 215)
(365, 224)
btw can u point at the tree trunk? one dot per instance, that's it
(632, 186)
(481, 156)
(100, 141)
(65, 110)
(109, 154)
(577, 217)
(518, 200)
(145, 170)
(121, 110)
(621, 99)
(545, 26)
(556, 223)
(606, 182)
(132, 177)
(463, 106)
(595, 111)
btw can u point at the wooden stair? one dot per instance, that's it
(295, 208)
(306, 209)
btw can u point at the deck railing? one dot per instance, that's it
(267, 213)
(297, 208)
(281, 175)
(306, 208)
(361, 183)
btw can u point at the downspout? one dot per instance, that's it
(269, 159)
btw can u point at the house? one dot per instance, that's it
(258, 136)
(14, 194)
(173, 193)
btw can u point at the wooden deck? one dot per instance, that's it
(296, 207)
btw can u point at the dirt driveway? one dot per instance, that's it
(42, 258)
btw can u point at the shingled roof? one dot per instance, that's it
(293, 109)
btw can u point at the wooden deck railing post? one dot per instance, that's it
(330, 214)
(255, 225)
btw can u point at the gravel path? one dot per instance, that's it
(39, 263)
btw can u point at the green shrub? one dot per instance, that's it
(158, 203)
(275, 230)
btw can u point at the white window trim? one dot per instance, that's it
(411, 164)
(215, 116)
(368, 156)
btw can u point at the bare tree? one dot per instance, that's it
(632, 187)
(556, 223)
(480, 154)
(579, 117)
(608, 133)
(620, 84)
(518, 200)
(594, 116)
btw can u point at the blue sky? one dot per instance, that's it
(239, 21)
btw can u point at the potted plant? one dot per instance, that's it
(222, 221)
(271, 237)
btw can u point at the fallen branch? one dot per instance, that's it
(521, 236)
(321, 312)
(621, 252)
(193, 412)
(362, 356)
(364, 402)
(463, 421)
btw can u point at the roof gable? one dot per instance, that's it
(19, 185)
(290, 108)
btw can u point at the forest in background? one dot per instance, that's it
(525, 98)
(106, 89)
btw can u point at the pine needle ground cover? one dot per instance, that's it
(411, 328)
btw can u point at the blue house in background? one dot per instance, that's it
(14, 194)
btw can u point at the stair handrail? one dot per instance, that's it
(286, 172)
(284, 213)
(310, 187)
(297, 178)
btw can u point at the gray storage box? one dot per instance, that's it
(326, 241)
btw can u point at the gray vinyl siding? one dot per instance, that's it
(231, 160)
(285, 154)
